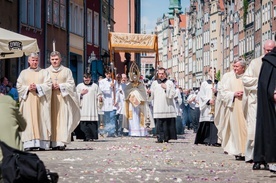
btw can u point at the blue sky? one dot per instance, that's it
(151, 10)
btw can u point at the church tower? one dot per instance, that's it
(175, 4)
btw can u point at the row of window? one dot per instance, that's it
(56, 15)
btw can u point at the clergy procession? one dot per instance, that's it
(236, 113)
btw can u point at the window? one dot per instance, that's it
(190, 43)
(194, 44)
(147, 69)
(89, 26)
(80, 21)
(208, 57)
(96, 28)
(231, 55)
(263, 14)
(268, 11)
(72, 22)
(190, 65)
(227, 42)
(76, 19)
(63, 16)
(105, 33)
(31, 13)
(49, 11)
(56, 13)
(24, 11)
(214, 26)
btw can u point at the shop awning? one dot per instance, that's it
(14, 45)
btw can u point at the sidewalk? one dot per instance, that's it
(131, 160)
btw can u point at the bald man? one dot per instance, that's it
(250, 82)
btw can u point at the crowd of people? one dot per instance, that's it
(237, 113)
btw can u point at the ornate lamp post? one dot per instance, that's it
(89, 61)
(105, 58)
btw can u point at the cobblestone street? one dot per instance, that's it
(129, 159)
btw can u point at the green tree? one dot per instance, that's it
(245, 12)
(218, 75)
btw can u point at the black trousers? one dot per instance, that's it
(165, 129)
(206, 133)
(90, 129)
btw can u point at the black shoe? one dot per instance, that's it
(60, 148)
(27, 149)
(240, 158)
(215, 145)
(266, 166)
(256, 166)
(159, 141)
(88, 140)
(167, 141)
(31, 149)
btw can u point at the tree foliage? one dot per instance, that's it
(218, 75)
(245, 12)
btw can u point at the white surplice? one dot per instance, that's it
(89, 101)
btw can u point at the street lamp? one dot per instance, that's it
(89, 61)
(105, 58)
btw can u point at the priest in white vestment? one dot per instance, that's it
(221, 111)
(65, 106)
(250, 82)
(34, 86)
(235, 125)
(89, 95)
(135, 106)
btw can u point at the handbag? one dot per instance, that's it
(19, 166)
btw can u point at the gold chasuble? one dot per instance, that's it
(65, 106)
(35, 105)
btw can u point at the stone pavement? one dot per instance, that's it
(140, 159)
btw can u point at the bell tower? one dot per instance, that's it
(175, 4)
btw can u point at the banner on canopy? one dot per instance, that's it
(126, 42)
